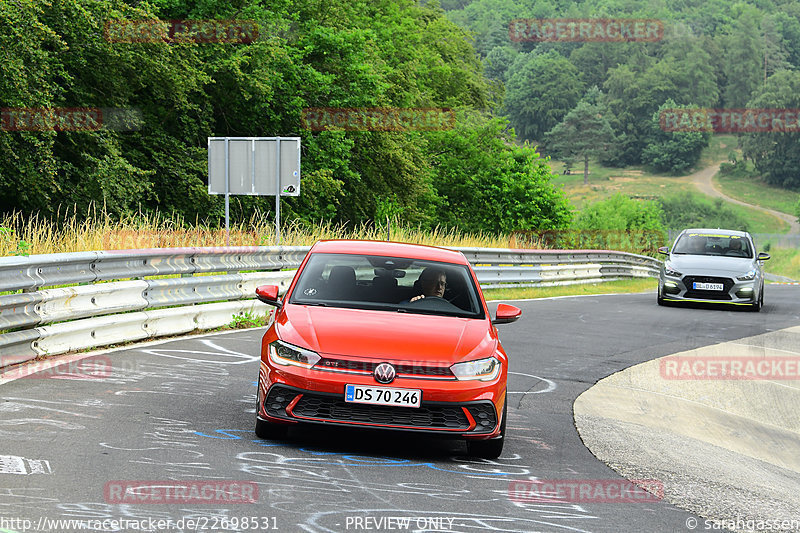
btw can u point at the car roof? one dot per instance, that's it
(717, 231)
(391, 249)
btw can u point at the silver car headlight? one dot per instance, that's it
(671, 272)
(482, 369)
(749, 276)
(285, 354)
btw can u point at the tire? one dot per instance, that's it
(492, 448)
(660, 300)
(659, 297)
(268, 430)
(760, 303)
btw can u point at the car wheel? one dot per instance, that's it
(659, 298)
(268, 430)
(760, 303)
(492, 448)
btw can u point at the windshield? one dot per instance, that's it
(388, 283)
(713, 244)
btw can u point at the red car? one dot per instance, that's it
(385, 335)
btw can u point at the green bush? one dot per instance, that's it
(688, 210)
(248, 320)
(620, 212)
(617, 223)
(672, 151)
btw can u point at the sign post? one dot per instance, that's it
(255, 166)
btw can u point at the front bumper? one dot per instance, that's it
(290, 404)
(448, 407)
(734, 292)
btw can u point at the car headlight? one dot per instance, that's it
(671, 272)
(747, 277)
(482, 369)
(284, 354)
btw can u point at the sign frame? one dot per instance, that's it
(270, 172)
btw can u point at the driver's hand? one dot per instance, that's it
(415, 298)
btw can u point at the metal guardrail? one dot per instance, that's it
(76, 301)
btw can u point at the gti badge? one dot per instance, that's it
(384, 373)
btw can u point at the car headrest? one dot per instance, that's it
(342, 276)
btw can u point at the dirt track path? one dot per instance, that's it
(702, 179)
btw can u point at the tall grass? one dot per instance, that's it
(23, 235)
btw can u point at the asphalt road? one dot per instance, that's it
(183, 411)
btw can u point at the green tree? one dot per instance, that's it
(775, 51)
(672, 151)
(487, 183)
(541, 90)
(633, 94)
(775, 154)
(585, 132)
(498, 61)
(742, 59)
(593, 60)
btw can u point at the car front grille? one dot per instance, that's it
(331, 408)
(328, 363)
(708, 295)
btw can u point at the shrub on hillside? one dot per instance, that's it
(689, 210)
(619, 212)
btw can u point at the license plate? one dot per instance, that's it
(708, 286)
(382, 395)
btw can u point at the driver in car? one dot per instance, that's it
(735, 248)
(433, 282)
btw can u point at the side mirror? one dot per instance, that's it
(269, 295)
(763, 256)
(507, 314)
(663, 250)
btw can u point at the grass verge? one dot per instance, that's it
(756, 192)
(607, 287)
(28, 236)
(784, 262)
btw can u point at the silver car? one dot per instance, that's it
(713, 266)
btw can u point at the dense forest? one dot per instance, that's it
(309, 53)
(484, 174)
(713, 54)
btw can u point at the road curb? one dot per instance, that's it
(724, 449)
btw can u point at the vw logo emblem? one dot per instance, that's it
(384, 373)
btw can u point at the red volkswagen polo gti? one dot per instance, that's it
(385, 335)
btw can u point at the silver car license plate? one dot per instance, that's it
(708, 286)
